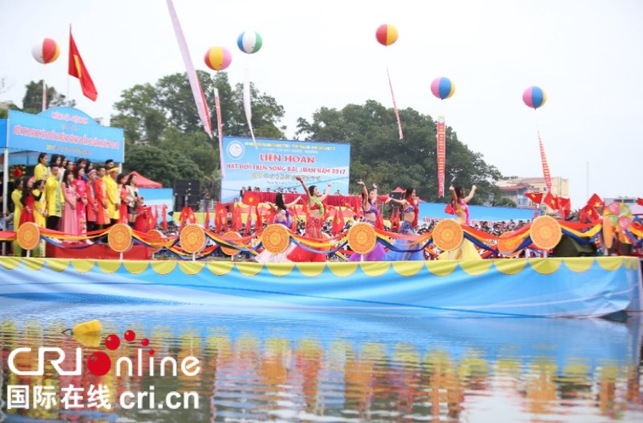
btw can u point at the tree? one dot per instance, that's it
(378, 155)
(32, 101)
(164, 117)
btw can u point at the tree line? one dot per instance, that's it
(164, 139)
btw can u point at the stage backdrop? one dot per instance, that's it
(274, 164)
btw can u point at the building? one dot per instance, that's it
(515, 187)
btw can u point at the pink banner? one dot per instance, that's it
(217, 108)
(197, 92)
(441, 153)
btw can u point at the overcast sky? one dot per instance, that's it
(586, 54)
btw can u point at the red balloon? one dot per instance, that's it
(386, 34)
(46, 51)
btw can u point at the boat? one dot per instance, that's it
(544, 286)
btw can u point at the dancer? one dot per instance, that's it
(282, 217)
(314, 223)
(408, 250)
(466, 250)
(459, 203)
(371, 216)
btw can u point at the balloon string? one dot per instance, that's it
(397, 113)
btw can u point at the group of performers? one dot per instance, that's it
(75, 198)
(404, 246)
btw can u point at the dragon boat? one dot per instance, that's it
(502, 285)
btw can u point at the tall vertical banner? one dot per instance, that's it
(543, 158)
(441, 153)
(199, 97)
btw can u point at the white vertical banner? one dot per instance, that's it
(247, 107)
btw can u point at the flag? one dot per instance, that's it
(258, 220)
(543, 159)
(565, 206)
(595, 201)
(77, 69)
(551, 201)
(639, 201)
(535, 197)
(338, 221)
(197, 92)
(221, 218)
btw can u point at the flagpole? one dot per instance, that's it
(587, 181)
(44, 96)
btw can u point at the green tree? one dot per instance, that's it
(164, 117)
(32, 101)
(379, 156)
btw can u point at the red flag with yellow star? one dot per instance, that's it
(77, 69)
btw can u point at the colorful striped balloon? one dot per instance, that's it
(46, 51)
(386, 34)
(534, 97)
(249, 42)
(218, 58)
(442, 88)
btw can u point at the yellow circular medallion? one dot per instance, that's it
(545, 232)
(119, 237)
(192, 238)
(362, 238)
(28, 236)
(230, 236)
(448, 235)
(275, 238)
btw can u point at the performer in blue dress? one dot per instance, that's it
(371, 216)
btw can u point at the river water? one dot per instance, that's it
(238, 363)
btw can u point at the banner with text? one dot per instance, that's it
(66, 131)
(441, 153)
(274, 164)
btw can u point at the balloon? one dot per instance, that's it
(249, 42)
(534, 97)
(218, 58)
(386, 34)
(442, 88)
(46, 51)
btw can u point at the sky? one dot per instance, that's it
(586, 54)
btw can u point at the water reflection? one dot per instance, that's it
(268, 364)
